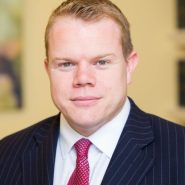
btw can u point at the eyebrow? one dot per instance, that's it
(104, 56)
(59, 58)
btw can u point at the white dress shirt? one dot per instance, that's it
(103, 145)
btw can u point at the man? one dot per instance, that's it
(90, 61)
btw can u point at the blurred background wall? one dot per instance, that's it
(154, 87)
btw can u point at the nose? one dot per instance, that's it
(84, 76)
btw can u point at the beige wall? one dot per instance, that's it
(154, 83)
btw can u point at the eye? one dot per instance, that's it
(65, 66)
(102, 62)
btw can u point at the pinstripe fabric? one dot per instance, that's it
(27, 157)
(150, 151)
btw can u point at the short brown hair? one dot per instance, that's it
(92, 10)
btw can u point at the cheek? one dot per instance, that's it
(112, 88)
(115, 79)
(119, 85)
(59, 85)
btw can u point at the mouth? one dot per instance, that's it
(85, 101)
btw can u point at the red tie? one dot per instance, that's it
(80, 175)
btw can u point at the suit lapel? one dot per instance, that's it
(133, 156)
(39, 156)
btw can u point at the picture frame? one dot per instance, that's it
(10, 54)
(181, 14)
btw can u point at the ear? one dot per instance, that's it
(46, 65)
(131, 62)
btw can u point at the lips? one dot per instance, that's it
(85, 101)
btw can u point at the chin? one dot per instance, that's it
(84, 123)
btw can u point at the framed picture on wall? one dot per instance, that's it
(181, 82)
(10, 54)
(181, 14)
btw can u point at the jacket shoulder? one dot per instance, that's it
(169, 137)
(165, 126)
(16, 141)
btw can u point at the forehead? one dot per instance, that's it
(72, 36)
(70, 24)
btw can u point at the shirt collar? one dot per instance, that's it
(100, 138)
(68, 137)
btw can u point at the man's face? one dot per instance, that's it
(88, 72)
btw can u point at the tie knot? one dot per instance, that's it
(82, 147)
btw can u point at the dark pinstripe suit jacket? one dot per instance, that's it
(150, 151)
